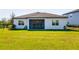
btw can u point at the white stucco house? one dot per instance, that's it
(40, 20)
(73, 17)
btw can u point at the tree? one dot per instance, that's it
(12, 17)
(12, 26)
(3, 22)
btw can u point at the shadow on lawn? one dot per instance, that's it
(56, 30)
(67, 30)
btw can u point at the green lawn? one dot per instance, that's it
(38, 40)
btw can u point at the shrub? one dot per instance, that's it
(65, 27)
(11, 27)
(25, 27)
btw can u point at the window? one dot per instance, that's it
(21, 23)
(55, 22)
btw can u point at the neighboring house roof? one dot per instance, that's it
(77, 10)
(41, 14)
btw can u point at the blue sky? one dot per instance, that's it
(5, 13)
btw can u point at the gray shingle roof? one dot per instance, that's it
(41, 14)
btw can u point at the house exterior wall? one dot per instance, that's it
(48, 23)
(26, 23)
(62, 23)
(73, 18)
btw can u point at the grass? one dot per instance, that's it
(38, 40)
